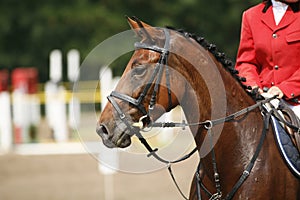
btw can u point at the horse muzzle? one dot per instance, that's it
(118, 138)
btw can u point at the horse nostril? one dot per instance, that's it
(101, 130)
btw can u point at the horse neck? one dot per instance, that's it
(211, 90)
(236, 96)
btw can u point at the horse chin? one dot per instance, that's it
(108, 143)
(125, 142)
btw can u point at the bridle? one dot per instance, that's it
(134, 128)
(157, 74)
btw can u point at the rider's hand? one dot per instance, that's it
(274, 90)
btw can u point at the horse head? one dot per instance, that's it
(145, 90)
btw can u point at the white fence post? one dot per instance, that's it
(73, 58)
(20, 115)
(105, 84)
(55, 66)
(56, 111)
(56, 100)
(6, 139)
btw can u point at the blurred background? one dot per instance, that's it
(43, 44)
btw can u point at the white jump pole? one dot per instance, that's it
(6, 139)
(26, 107)
(35, 110)
(60, 120)
(55, 66)
(50, 90)
(105, 77)
(73, 58)
(20, 115)
(33, 104)
(74, 113)
(56, 100)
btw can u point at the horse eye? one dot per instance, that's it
(139, 71)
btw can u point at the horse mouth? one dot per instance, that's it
(121, 139)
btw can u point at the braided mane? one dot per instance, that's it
(220, 56)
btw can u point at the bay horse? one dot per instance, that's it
(170, 68)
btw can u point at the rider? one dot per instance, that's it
(269, 50)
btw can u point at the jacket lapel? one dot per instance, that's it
(268, 19)
(287, 19)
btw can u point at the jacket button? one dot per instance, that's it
(272, 84)
(276, 67)
(274, 35)
(292, 95)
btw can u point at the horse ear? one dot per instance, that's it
(142, 29)
(133, 24)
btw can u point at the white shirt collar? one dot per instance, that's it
(279, 10)
(279, 5)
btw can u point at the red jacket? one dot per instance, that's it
(269, 54)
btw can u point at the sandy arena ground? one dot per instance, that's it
(76, 177)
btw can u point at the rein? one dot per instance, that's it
(218, 195)
(208, 125)
(145, 122)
